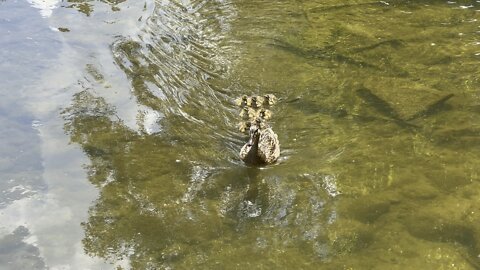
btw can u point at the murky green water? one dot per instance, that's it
(119, 145)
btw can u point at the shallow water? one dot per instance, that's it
(119, 145)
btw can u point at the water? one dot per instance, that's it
(119, 146)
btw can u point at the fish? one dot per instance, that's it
(383, 107)
(322, 9)
(394, 43)
(387, 112)
(310, 107)
(377, 103)
(432, 108)
(324, 54)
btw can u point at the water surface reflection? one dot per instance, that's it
(378, 120)
(370, 136)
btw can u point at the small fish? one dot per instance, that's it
(377, 103)
(309, 107)
(432, 108)
(394, 43)
(383, 107)
(466, 137)
(323, 54)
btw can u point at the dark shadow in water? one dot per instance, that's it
(310, 107)
(329, 53)
(383, 107)
(345, 6)
(386, 113)
(321, 54)
(432, 230)
(433, 108)
(394, 43)
(377, 103)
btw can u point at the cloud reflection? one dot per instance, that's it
(45, 7)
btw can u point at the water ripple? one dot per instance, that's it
(177, 65)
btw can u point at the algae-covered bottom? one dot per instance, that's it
(378, 116)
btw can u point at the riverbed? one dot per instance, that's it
(119, 140)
